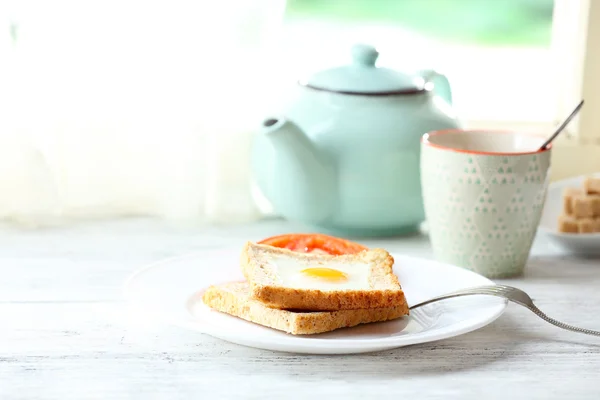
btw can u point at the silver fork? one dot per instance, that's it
(512, 294)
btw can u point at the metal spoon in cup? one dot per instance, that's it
(562, 126)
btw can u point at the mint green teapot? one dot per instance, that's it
(344, 158)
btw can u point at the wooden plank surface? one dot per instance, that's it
(66, 334)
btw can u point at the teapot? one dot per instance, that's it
(344, 156)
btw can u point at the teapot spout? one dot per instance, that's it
(296, 177)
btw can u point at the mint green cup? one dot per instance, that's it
(483, 194)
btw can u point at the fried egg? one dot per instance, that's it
(332, 275)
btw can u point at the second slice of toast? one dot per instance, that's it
(234, 299)
(285, 279)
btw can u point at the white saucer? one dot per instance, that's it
(585, 244)
(171, 291)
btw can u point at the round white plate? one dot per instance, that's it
(171, 291)
(584, 244)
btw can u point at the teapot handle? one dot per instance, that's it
(441, 85)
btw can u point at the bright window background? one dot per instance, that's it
(497, 54)
(127, 107)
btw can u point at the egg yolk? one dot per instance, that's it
(327, 274)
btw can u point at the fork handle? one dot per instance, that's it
(532, 307)
(559, 324)
(467, 292)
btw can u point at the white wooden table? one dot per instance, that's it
(66, 334)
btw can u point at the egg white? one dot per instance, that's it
(289, 272)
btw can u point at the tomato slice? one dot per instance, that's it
(314, 243)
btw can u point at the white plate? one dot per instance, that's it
(171, 291)
(582, 244)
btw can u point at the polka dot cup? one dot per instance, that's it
(483, 193)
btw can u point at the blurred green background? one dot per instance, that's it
(517, 23)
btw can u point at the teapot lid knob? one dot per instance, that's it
(363, 77)
(364, 55)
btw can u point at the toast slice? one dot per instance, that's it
(284, 279)
(234, 299)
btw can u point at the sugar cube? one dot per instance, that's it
(567, 224)
(583, 206)
(592, 185)
(568, 196)
(586, 225)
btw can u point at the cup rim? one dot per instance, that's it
(425, 140)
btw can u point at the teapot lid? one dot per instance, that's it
(362, 77)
